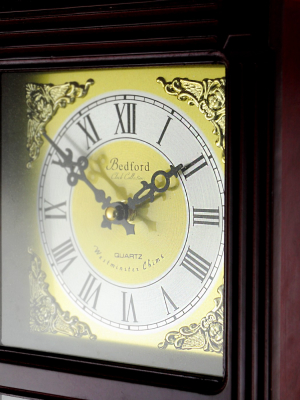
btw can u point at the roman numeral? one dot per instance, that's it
(194, 166)
(206, 216)
(164, 130)
(90, 290)
(168, 300)
(55, 211)
(61, 253)
(128, 309)
(195, 264)
(127, 118)
(89, 130)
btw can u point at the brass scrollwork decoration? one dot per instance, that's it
(206, 335)
(43, 101)
(208, 95)
(46, 314)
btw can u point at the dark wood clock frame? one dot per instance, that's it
(174, 32)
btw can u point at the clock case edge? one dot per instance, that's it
(237, 276)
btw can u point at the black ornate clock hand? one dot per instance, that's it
(148, 190)
(119, 213)
(97, 170)
(73, 177)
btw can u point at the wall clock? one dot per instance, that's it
(113, 215)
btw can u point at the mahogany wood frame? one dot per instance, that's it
(157, 33)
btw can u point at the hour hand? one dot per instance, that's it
(118, 214)
(66, 160)
(76, 171)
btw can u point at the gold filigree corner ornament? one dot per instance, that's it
(208, 95)
(207, 334)
(46, 314)
(43, 101)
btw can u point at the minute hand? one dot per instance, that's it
(149, 189)
(81, 165)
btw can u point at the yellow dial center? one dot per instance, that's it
(118, 168)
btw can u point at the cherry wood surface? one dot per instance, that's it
(290, 200)
(261, 181)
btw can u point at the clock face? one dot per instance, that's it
(130, 210)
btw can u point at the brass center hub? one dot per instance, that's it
(111, 213)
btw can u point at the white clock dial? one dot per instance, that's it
(157, 267)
